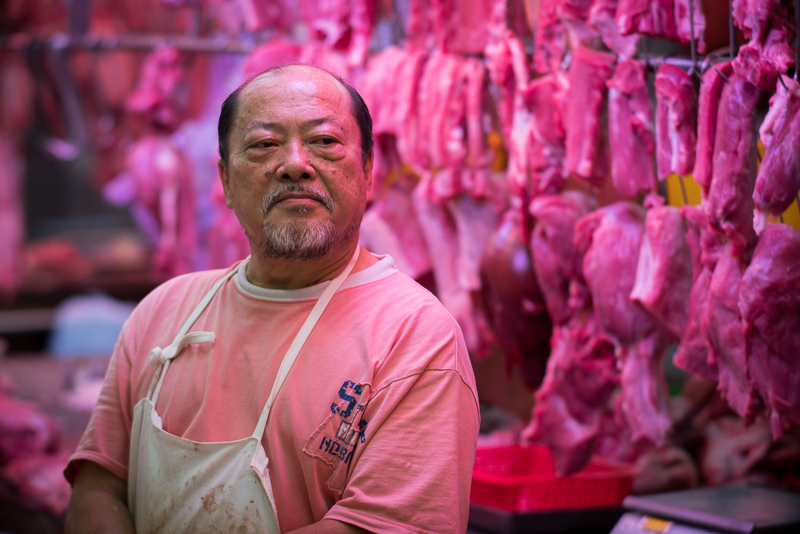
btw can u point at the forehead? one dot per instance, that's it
(296, 89)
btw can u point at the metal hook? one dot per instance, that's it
(797, 41)
(730, 30)
(780, 79)
(723, 76)
(683, 190)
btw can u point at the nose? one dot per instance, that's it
(296, 164)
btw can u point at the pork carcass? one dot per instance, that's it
(630, 126)
(549, 45)
(729, 204)
(664, 272)
(769, 302)
(585, 143)
(676, 121)
(571, 403)
(555, 260)
(692, 354)
(778, 178)
(610, 239)
(728, 348)
(514, 302)
(601, 18)
(545, 101)
(714, 81)
(770, 27)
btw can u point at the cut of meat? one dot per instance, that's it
(778, 178)
(729, 203)
(664, 272)
(514, 302)
(683, 22)
(631, 128)
(770, 28)
(728, 348)
(24, 430)
(676, 121)
(574, 15)
(39, 478)
(588, 74)
(611, 238)
(546, 151)
(550, 41)
(714, 81)
(601, 18)
(769, 301)
(570, 404)
(557, 263)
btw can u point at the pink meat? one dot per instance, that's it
(261, 14)
(770, 27)
(546, 151)
(162, 94)
(550, 41)
(555, 260)
(588, 74)
(611, 239)
(664, 272)
(570, 404)
(406, 117)
(601, 18)
(769, 301)
(644, 396)
(728, 348)
(574, 15)
(730, 195)
(676, 121)
(475, 221)
(630, 127)
(270, 54)
(513, 300)
(710, 95)
(39, 478)
(683, 22)
(778, 178)
(24, 429)
(226, 241)
(655, 18)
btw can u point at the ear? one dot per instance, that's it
(223, 176)
(368, 174)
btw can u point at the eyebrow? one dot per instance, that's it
(276, 126)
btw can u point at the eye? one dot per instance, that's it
(265, 144)
(326, 141)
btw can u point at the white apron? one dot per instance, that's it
(179, 485)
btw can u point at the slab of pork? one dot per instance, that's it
(676, 121)
(710, 94)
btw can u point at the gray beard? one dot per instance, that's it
(303, 240)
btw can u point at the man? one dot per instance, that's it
(351, 381)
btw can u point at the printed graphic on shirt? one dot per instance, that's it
(343, 429)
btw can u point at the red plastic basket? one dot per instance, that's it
(523, 479)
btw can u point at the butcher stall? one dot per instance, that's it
(603, 193)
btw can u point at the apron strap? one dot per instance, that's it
(299, 341)
(163, 357)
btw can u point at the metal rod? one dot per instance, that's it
(144, 42)
(723, 76)
(780, 218)
(780, 79)
(683, 191)
(731, 42)
(797, 39)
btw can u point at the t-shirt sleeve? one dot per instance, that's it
(106, 440)
(414, 473)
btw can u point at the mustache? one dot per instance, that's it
(277, 195)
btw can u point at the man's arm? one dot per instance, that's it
(98, 503)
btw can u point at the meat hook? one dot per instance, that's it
(731, 36)
(723, 76)
(780, 79)
(797, 43)
(683, 190)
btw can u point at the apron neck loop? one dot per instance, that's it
(300, 339)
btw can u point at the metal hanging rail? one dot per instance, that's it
(143, 42)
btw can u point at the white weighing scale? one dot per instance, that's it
(731, 509)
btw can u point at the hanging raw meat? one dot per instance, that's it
(39, 478)
(514, 302)
(545, 100)
(555, 260)
(270, 54)
(574, 15)
(769, 24)
(571, 403)
(714, 81)
(226, 241)
(668, 19)
(778, 178)
(456, 26)
(769, 301)
(729, 204)
(630, 127)
(728, 348)
(24, 430)
(664, 272)
(585, 144)
(601, 18)
(676, 121)
(549, 45)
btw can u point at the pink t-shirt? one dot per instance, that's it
(375, 426)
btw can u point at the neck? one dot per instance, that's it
(274, 273)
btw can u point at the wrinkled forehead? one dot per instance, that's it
(299, 81)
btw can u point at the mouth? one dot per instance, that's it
(299, 198)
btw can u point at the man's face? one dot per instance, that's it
(295, 175)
